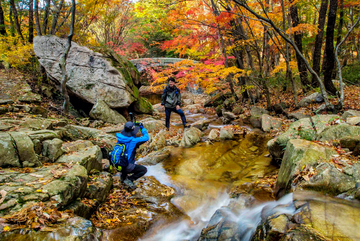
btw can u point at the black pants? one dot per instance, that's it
(168, 113)
(137, 172)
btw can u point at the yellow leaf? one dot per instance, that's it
(108, 220)
(6, 228)
(38, 190)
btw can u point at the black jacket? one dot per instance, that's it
(171, 97)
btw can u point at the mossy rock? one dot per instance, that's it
(143, 106)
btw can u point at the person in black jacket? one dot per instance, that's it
(171, 99)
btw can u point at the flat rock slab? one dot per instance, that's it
(90, 158)
(61, 183)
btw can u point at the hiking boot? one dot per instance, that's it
(187, 126)
(129, 183)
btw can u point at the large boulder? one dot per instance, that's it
(101, 111)
(352, 143)
(191, 137)
(298, 154)
(91, 75)
(303, 129)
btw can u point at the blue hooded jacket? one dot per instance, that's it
(131, 143)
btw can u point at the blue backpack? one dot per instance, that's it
(119, 157)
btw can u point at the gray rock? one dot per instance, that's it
(297, 115)
(153, 125)
(310, 99)
(188, 101)
(299, 129)
(75, 146)
(269, 123)
(8, 156)
(91, 75)
(191, 137)
(255, 116)
(30, 98)
(90, 158)
(298, 154)
(336, 132)
(101, 111)
(155, 157)
(350, 113)
(353, 120)
(25, 149)
(52, 149)
(213, 135)
(226, 134)
(5, 99)
(38, 110)
(201, 124)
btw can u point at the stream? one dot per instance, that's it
(202, 176)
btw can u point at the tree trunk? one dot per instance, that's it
(328, 105)
(318, 41)
(12, 25)
(56, 17)
(341, 22)
(2, 21)
(46, 17)
(37, 19)
(16, 19)
(298, 41)
(31, 21)
(329, 48)
(287, 56)
(62, 61)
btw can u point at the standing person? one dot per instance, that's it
(128, 137)
(171, 99)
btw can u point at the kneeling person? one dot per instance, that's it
(131, 142)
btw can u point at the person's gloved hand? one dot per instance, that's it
(141, 125)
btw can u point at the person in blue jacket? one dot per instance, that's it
(128, 137)
(171, 100)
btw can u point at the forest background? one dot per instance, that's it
(256, 49)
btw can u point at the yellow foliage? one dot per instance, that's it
(282, 67)
(14, 52)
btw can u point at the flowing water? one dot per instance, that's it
(202, 176)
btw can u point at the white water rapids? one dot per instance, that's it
(185, 230)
